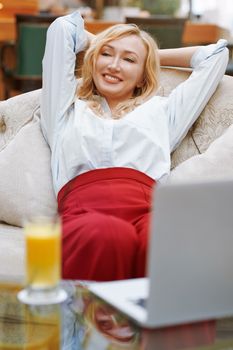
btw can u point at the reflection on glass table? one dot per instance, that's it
(96, 325)
(84, 322)
(81, 322)
(27, 327)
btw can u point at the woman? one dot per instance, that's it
(111, 137)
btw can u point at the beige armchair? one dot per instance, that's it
(26, 182)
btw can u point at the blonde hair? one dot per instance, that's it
(92, 325)
(87, 89)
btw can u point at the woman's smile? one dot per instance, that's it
(111, 79)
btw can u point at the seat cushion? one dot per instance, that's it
(216, 117)
(215, 163)
(26, 187)
(11, 252)
(15, 113)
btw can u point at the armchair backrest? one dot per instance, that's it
(216, 117)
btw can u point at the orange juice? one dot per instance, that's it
(43, 255)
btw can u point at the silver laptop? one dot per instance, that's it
(190, 262)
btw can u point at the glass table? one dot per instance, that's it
(84, 322)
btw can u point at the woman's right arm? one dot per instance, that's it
(180, 57)
(65, 38)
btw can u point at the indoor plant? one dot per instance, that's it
(161, 7)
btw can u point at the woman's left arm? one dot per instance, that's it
(187, 100)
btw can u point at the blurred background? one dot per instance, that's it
(23, 26)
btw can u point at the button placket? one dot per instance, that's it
(107, 146)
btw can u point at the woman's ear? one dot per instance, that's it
(140, 84)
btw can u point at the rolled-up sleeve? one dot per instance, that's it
(65, 38)
(187, 101)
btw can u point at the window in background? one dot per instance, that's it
(214, 11)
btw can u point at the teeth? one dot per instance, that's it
(111, 77)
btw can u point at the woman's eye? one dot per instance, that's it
(129, 59)
(105, 54)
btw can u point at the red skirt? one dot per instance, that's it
(105, 216)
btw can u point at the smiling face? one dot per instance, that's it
(119, 69)
(113, 325)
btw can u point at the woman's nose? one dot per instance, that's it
(114, 64)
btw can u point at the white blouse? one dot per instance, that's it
(143, 139)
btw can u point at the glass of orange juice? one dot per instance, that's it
(42, 261)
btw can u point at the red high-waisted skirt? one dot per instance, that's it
(105, 216)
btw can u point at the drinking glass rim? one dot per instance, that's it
(42, 219)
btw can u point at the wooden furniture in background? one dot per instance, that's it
(7, 29)
(28, 49)
(197, 33)
(97, 26)
(8, 8)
